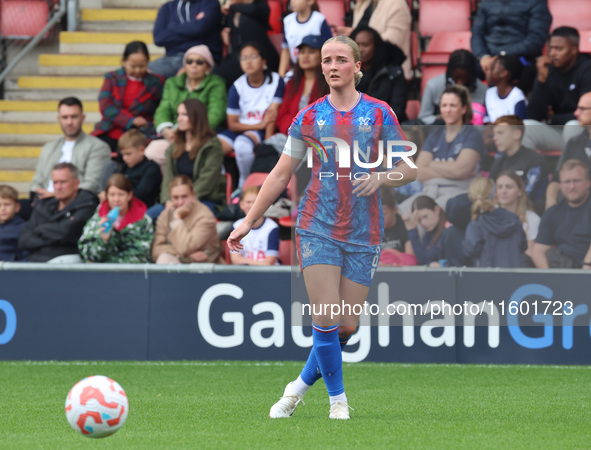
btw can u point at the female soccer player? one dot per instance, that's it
(340, 222)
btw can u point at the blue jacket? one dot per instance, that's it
(181, 24)
(9, 233)
(424, 251)
(517, 27)
(495, 239)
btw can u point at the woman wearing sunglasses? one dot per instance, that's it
(195, 81)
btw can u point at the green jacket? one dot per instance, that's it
(130, 245)
(212, 92)
(208, 181)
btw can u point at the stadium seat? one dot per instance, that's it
(258, 178)
(428, 72)
(585, 43)
(572, 13)
(413, 107)
(285, 252)
(334, 11)
(276, 16)
(276, 39)
(444, 15)
(414, 49)
(23, 19)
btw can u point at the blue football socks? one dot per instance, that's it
(327, 350)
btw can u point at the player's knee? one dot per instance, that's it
(346, 331)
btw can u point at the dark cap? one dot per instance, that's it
(312, 41)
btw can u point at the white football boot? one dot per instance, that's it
(339, 410)
(286, 404)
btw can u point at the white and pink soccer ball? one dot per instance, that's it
(97, 406)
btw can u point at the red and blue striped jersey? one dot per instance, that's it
(329, 207)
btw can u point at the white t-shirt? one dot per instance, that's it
(514, 104)
(532, 225)
(294, 31)
(66, 157)
(250, 103)
(261, 242)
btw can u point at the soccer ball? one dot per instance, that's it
(97, 406)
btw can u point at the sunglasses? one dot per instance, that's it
(199, 62)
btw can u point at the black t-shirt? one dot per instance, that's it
(184, 166)
(567, 228)
(529, 165)
(578, 148)
(395, 237)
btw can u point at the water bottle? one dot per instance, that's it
(111, 218)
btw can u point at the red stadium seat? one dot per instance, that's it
(286, 251)
(444, 15)
(428, 72)
(571, 13)
(334, 11)
(276, 39)
(585, 43)
(23, 19)
(276, 16)
(413, 107)
(414, 49)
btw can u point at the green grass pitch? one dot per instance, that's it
(225, 405)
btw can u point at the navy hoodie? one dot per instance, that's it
(9, 233)
(495, 239)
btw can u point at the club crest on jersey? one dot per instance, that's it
(306, 250)
(364, 126)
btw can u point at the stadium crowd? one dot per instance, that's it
(180, 135)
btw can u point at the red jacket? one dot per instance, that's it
(290, 106)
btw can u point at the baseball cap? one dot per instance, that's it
(312, 41)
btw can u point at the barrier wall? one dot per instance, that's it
(205, 312)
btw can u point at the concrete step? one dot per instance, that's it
(119, 14)
(18, 164)
(41, 106)
(104, 48)
(89, 4)
(59, 82)
(103, 42)
(12, 92)
(126, 3)
(13, 152)
(22, 188)
(118, 26)
(96, 65)
(36, 116)
(16, 176)
(32, 134)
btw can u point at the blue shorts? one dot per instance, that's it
(358, 262)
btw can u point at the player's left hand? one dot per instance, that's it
(364, 188)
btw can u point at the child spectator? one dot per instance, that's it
(129, 97)
(186, 229)
(10, 224)
(396, 248)
(253, 102)
(504, 98)
(145, 175)
(494, 237)
(130, 238)
(261, 245)
(303, 21)
(427, 214)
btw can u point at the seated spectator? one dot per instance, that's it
(563, 76)
(396, 248)
(305, 20)
(525, 162)
(511, 195)
(458, 213)
(564, 236)
(52, 232)
(306, 85)
(129, 239)
(261, 245)
(503, 97)
(186, 229)
(197, 153)
(253, 102)
(145, 175)
(183, 24)
(10, 224)
(451, 155)
(382, 72)
(577, 148)
(431, 218)
(197, 81)
(494, 237)
(461, 69)
(129, 97)
(391, 19)
(517, 29)
(87, 153)
(246, 21)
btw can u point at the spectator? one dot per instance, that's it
(511, 195)
(305, 20)
(52, 232)
(396, 248)
(261, 245)
(451, 154)
(130, 238)
(253, 102)
(247, 22)
(129, 97)
(504, 98)
(564, 236)
(461, 69)
(391, 19)
(11, 224)
(382, 75)
(577, 148)
(527, 163)
(87, 153)
(197, 81)
(182, 24)
(458, 214)
(494, 237)
(306, 85)
(197, 153)
(431, 218)
(145, 175)
(563, 76)
(186, 229)
(513, 28)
